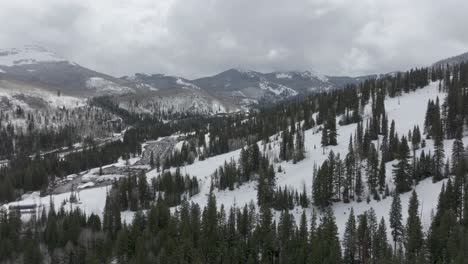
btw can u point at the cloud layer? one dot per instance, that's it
(194, 38)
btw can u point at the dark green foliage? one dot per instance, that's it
(350, 240)
(413, 240)
(396, 220)
(173, 186)
(402, 170)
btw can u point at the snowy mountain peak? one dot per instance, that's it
(29, 54)
(244, 72)
(313, 74)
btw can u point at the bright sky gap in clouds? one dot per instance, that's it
(193, 38)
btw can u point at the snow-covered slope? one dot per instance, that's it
(176, 101)
(106, 87)
(252, 86)
(30, 98)
(27, 55)
(40, 67)
(407, 110)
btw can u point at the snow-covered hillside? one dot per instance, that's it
(27, 55)
(407, 110)
(106, 87)
(30, 98)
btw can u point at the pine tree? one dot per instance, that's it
(465, 203)
(158, 163)
(151, 161)
(299, 148)
(349, 239)
(372, 169)
(381, 248)
(416, 138)
(32, 253)
(348, 184)
(327, 234)
(458, 150)
(325, 139)
(401, 170)
(459, 188)
(392, 142)
(266, 235)
(358, 189)
(413, 232)
(338, 177)
(210, 230)
(382, 175)
(51, 230)
(363, 239)
(255, 157)
(396, 220)
(332, 134)
(438, 135)
(439, 159)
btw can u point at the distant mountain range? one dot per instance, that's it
(452, 60)
(231, 90)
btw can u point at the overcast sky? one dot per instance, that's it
(193, 38)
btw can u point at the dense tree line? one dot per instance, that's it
(233, 174)
(24, 173)
(240, 234)
(233, 131)
(174, 187)
(35, 141)
(292, 144)
(363, 171)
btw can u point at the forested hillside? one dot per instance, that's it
(372, 173)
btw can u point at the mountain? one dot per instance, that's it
(40, 67)
(156, 82)
(41, 70)
(229, 91)
(252, 86)
(452, 60)
(172, 94)
(39, 74)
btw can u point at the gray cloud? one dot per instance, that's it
(194, 38)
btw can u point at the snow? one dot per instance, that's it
(106, 86)
(304, 75)
(91, 200)
(178, 145)
(428, 195)
(187, 84)
(149, 87)
(51, 98)
(238, 93)
(281, 89)
(407, 110)
(27, 55)
(249, 73)
(86, 185)
(192, 102)
(283, 75)
(312, 74)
